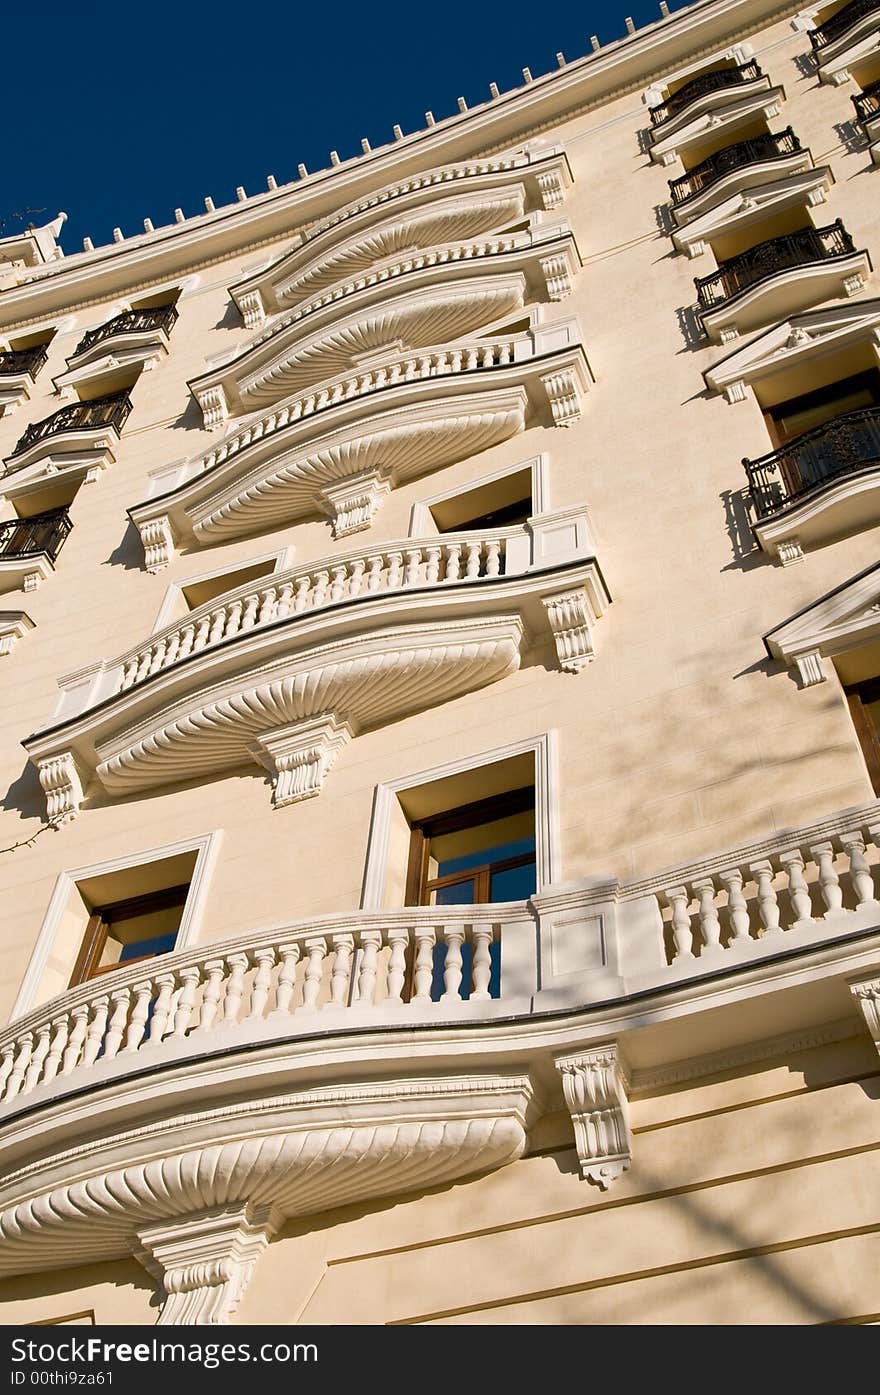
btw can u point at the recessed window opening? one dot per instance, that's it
(795, 415)
(157, 299)
(694, 154)
(31, 339)
(859, 672)
(201, 591)
(495, 504)
(789, 220)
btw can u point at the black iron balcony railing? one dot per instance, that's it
(701, 86)
(844, 19)
(19, 361)
(843, 446)
(26, 537)
(769, 259)
(158, 317)
(733, 157)
(79, 416)
(867, 103)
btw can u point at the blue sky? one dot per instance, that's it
(119, 112)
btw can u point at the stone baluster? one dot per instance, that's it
(375, 562)
(233, 617)
(710, 925)
(337, 588)
(453, 561)
(682, 934)
(24, 1049)
(433, 555)
(413, 566)
(356, 580)
(238, 964)
(767, 903)
(737, 906)
(97, 1027)
(203, 634)
(423, 974)
(217, 620)
(165, 983)
(798, 891)
(7, 1056)
(143, 665)
(409, 370)
(398, 939)
(120, 998)
(859, 871)
(300, 599)
(137, 1023)
(172, 649)
(35, 1065)
(61, 1029)
(186, 1000)
(157, 656)
(316, 950)
(75, 1041)
(455, 357)
(505, 353)
(129, 673)
(211, 994)
(339, 978)
(470, 358)
(262, 986)
(187, 638)
(319, 594)
(472, 559)
(424, 366)
(493, 557)
(395, 571)
(371, 941)
(453, 936)
(482, 965)
(286, 978)
(267, 605)
(285, 597)
(249, 615)
(829, 882)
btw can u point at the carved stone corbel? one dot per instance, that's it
(204, 1263)
(215, 408)
(809, 668)
(867, 995)
(158, 543)
(564, 395)
(298, 756)
(595, 1085)
(569, 618)
(352, 503)
(62, 787)
(557, 275)
(252, 309)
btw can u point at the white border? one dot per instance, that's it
(206, 847)
(283, 559)
(421, 522)
(547, 836)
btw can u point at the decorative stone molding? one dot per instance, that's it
(564, 395)
(595, 1086)
(845, 619)
(569, 617)
(14, 625)
(352, 503)
(253, 311)
(204, 1263)
(215, 409)
(752, 204)
(62, 787)
(557, 273)
(300, 755)
(866, 993)
(158, 543)
(789, 551)
(732, 115)
(809, 667)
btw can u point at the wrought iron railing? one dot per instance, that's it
(733, 157)
(701, 86)
(28, 361)
(867, 103)
(769, 258)
(843, 446)
(25, 537)
(157, 317)
(844, 19)
(79, 416)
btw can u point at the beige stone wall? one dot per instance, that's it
(754, 1193)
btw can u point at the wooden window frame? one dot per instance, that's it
(490, 810)
(88, 966)
(857, 694)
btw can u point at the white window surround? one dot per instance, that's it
(547, 804)
(655, 95)
(14, 625)
(174, 598)
(205, 846)
(421, 524)
(846, 619)
(807, 187)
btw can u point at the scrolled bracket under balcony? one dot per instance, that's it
(735, 111)
(336, 452)
(78, 440)
(450, 204)
(29, 548)
(778, 277)
(18, 369)
(417, 300)
(286, 674)
(819, 486)
(135, 339)
(847, 38)
(752, 206)
(744, 164)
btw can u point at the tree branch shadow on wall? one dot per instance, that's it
(737, 520)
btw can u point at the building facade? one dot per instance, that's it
(440, 700)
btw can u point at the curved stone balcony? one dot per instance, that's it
(452, 204)
(419, 300)
(743, 165)
(867, 105)
(192, 1103)
(135, 338)
(29, 548)
(287, 673)
(845, 38)
(339, 450)
(78, 438)
(819, 486)
(778, 277)
(705, 92)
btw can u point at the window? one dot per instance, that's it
(798, 414)
(864, 706)
(477, 854)
(125, 932)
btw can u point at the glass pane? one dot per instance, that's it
(486, 855)
(159, 944)
(458, 894)
(513, 884)
(467, 959)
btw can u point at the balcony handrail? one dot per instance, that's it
(28, 361)
(769, 258)
(867, 102)
(837, 24)
(770, 146)
(27, 537)
(702, 85)
(162, 317)
(109, 411)
(842, 446)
